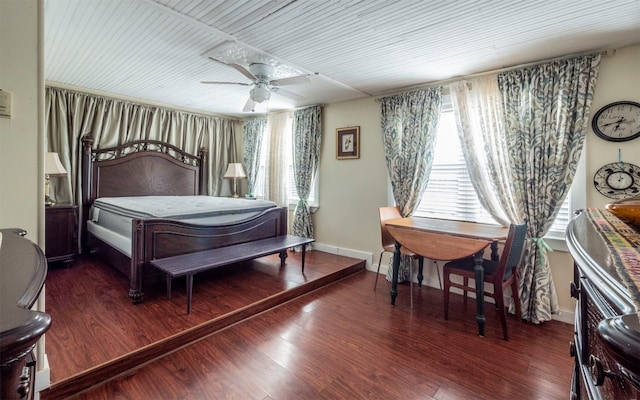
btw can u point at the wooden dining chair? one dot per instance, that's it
(389, 244)
(501, 274)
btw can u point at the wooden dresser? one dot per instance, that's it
(606, 345)
(23, 269)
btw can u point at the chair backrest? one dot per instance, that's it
(387, 213)
(512, 252)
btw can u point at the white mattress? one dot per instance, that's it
(110, 218)
(180, 207)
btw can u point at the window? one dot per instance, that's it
(287, 152)
(450, 193)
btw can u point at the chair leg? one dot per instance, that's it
(411, 282)
(378, 272)
(446, 281)
(516, 298)
(465, 282)
(499, 299)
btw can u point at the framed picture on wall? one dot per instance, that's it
(348, 142)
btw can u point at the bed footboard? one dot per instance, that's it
(160, 238)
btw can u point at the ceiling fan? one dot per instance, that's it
(263, 85)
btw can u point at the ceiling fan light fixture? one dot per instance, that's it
(260, 93)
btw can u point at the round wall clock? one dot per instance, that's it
(617, 122)
(618, 180)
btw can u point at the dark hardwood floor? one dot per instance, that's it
(345, 341)
(98, 332)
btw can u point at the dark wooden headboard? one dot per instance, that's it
(140, 168)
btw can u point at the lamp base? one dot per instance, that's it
(235, 188)
(47, 200)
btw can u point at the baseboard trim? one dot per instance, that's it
(360, 255)
(43, 377)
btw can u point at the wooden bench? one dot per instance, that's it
(192, 263)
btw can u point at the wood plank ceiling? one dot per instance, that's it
(154, 50)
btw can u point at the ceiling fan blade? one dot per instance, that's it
(226, 83)
(244, 71)
(294, 80)
(249, 106)
(218, 61)
(288, 94)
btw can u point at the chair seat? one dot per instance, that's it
(466, 267)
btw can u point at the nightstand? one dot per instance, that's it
(61, 232)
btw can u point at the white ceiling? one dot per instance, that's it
(153, 50)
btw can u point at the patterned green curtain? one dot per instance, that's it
(409, 122)
(546, 110)
(252, 134)
(307, 135)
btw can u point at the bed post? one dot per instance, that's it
(203, 172)
(137, 260)
(87, 176)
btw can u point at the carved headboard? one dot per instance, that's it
(140, 168)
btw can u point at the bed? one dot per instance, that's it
(114, 179)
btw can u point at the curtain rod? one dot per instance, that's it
(276, 112)
(607, 52)
(133, 100)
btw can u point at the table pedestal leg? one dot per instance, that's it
(479, 278)
(394, 274)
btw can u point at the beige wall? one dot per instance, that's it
(352, 190)
(22, 135)
(21, 146)
(618, 80)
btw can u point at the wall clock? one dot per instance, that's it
(617, 122)
(618, 180)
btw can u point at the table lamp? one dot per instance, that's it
(235, 171)
(52, 167)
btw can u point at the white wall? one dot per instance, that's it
(22, 135)
(352, 190)
(21, 175)
(619, 79)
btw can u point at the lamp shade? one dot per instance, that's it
(235, 170)
(53, 166)
(260, 93)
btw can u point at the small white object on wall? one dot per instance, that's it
(5, 104)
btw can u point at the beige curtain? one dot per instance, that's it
(70, 115)
(480, 120)
(278, 153)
